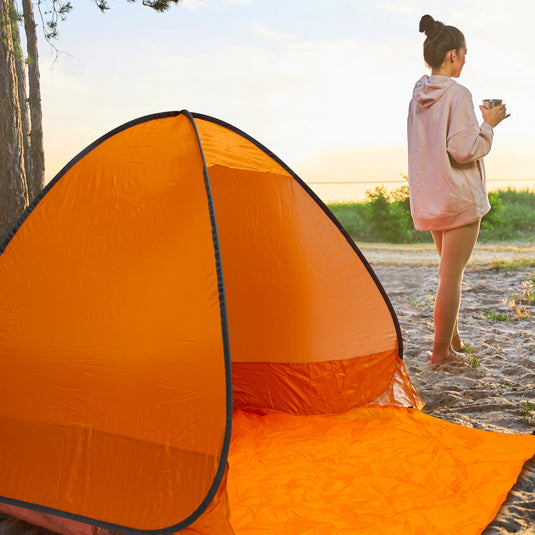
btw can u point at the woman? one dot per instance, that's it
(446, 172)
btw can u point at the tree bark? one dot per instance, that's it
(23, 101)
(13, 185)
(36, 179)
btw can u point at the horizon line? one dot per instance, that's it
(400, 180)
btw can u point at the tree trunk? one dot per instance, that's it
(36, 179)
(13, 186)
(23, 101)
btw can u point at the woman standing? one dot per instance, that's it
(446, 172)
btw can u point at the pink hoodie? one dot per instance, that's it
(446, 148)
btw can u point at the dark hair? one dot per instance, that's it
(440, 40)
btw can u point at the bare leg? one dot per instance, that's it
(456, 246)
(456, 342)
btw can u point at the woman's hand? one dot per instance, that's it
(494, 116)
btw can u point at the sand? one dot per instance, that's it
(493, 395)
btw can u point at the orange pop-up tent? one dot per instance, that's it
(177, 280)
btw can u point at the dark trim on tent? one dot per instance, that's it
(328, 212)
(224, 328)
(226, 343)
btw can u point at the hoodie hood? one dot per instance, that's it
(429, 89)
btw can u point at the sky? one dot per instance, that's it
(324, 85)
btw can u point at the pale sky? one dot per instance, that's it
(323, 84)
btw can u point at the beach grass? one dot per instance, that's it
(520, 314)
(469, 350)
(474, 362)
(516, 263)
(528, 411)
(494, 316)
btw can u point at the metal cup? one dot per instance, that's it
(492, 103)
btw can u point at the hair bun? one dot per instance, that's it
(429, 25)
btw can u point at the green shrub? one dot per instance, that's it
(385, 217)
(518, 208)
(493, 219)
(388, 220)
(352, 217)
(512, 196)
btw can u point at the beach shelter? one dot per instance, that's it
(189, 341)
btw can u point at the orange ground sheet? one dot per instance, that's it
(369, 471)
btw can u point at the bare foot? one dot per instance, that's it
(448, 356)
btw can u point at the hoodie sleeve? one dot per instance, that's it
(466, 140)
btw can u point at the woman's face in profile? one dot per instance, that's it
(458, 61)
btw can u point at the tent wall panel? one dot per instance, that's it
(296, 290)
(111, 337)
(305, 312)
(215, 519)
(313, 388)
(226, 146)
(86, 477)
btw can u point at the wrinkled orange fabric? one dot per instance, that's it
(372, 470)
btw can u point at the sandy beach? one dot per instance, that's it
(494, 395)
